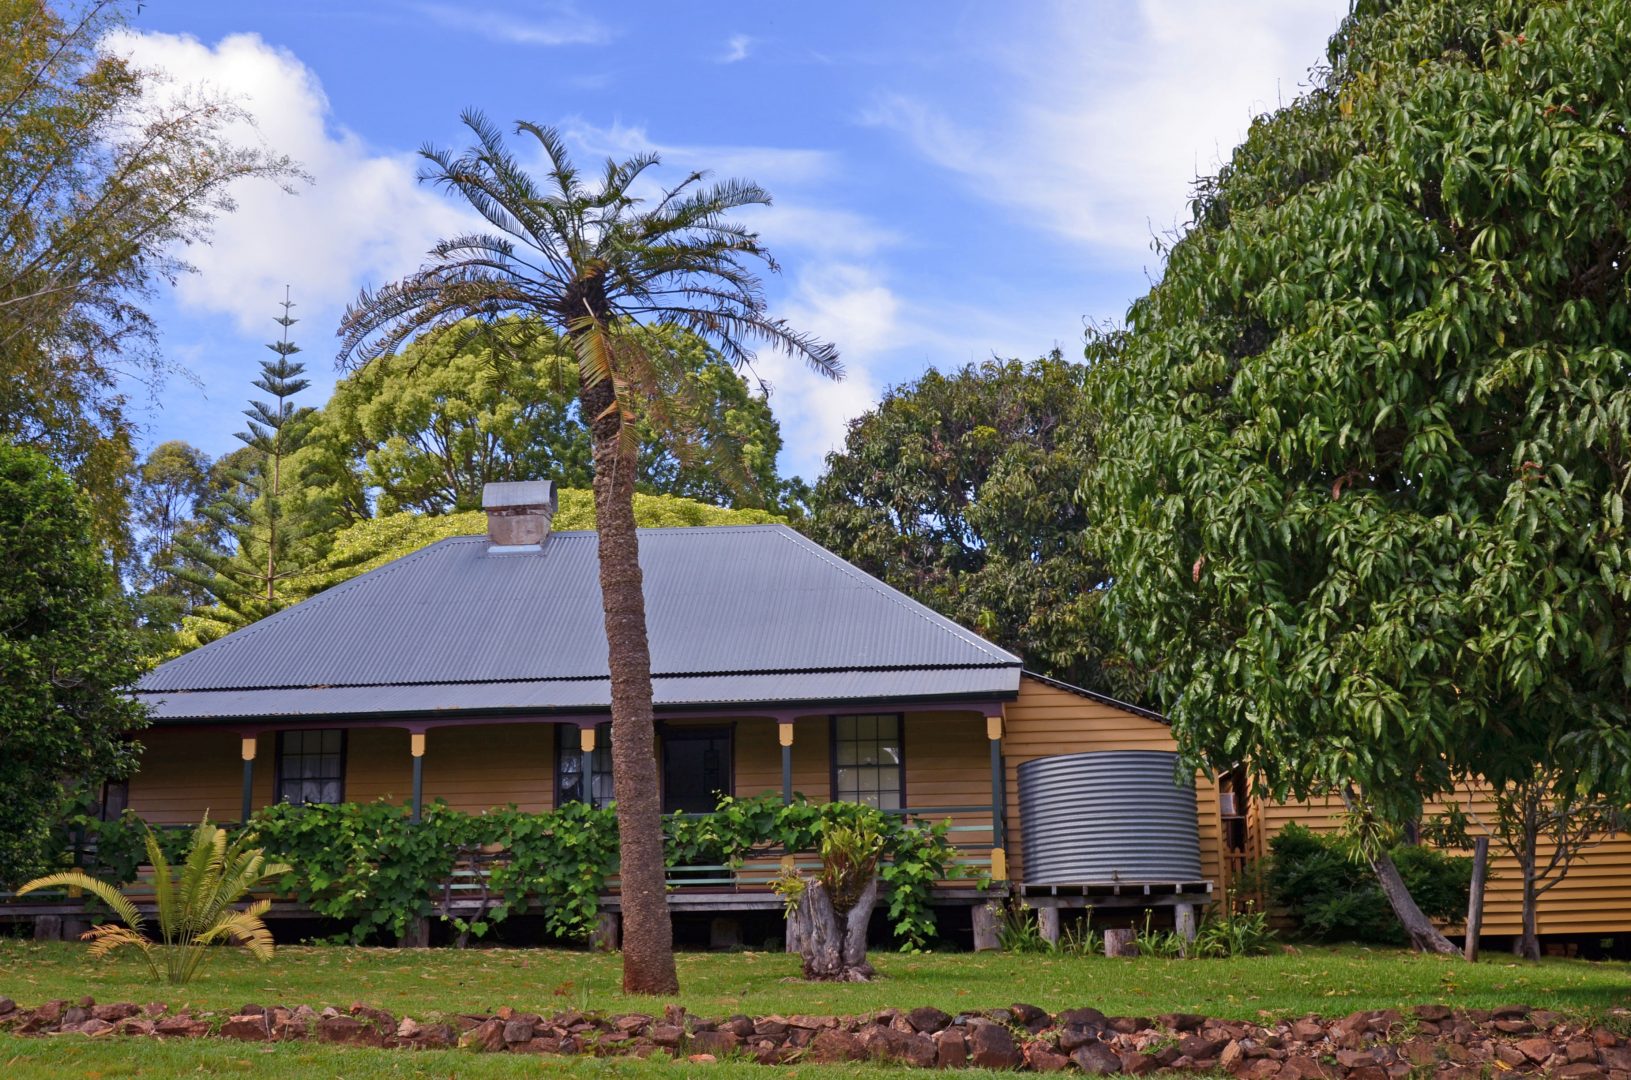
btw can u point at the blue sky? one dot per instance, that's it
(952, 180)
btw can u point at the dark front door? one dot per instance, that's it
(696, 769)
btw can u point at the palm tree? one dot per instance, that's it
(596, 262)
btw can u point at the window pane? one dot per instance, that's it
(889, 728)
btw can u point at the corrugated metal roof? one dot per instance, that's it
(588, 695)
(722, 603)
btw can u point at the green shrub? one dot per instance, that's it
(1332, 895)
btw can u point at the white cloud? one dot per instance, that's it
(736, 49)
(566, 26)
(363, 219)
(852, 307)
(1111, 112)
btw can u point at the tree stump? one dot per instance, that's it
(607, 928)
(415, 935)
(1047, 924)
(1120, 942)
(833, 943)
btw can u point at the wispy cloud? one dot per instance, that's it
(1108, 120)
(736, 49)
(565, 25)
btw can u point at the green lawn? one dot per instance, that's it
(65, 1058)
(424, 984)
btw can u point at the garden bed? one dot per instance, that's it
(1364, 1045)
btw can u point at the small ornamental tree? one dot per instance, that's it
(1364, 464)
(68, 657)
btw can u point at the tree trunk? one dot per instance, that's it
(833, 945)
(648, 934)
(1528, 944)
(1424, 936)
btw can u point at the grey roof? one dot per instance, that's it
(739, 615)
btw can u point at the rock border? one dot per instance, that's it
(1382, 1044)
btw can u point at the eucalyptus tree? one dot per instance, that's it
(1364, 488)
(106, 176)
(594, 261)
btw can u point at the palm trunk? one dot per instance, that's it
(648, 935)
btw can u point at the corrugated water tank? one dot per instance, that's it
(1107, 816)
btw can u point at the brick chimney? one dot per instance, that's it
(518, 513)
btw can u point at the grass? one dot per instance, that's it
(433, 983)
(64, 1058)
(430, 983)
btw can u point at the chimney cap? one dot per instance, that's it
(518, 494)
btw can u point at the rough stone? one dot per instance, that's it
(1029, 1017)
(94, 1028)
(950, 1049)
(1537, 1050)
(991, 1046)
(928, 1019)
(7, 1006)
(517, 1031)
(1231, 1055)
(1096, 1058)
(1308, 1031)
(1183, 1021)
(718, 1042)
(180, 1027)
(1200, 1046)
(247, 1028)
(667, 1035)
(1138, 1064)
(1580, 1070)
(832, 1047)
(349, 1031)
(111, 1013)
(1040, 1058)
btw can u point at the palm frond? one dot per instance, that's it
(121, 905)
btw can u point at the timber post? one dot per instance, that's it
(1183, 920)
(999, 852)
(784, 735)
(1475, 898)
(416, 747)
(247, 749)
(586, 764)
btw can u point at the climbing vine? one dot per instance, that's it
(368, 865)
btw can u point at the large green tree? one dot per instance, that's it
(593, 260)
(425, 428)
(104, 179)
(68, 658)
(962, 489)
(1366, 456)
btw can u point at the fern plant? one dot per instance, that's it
(194, 908)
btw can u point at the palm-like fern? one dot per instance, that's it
(195, 909)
